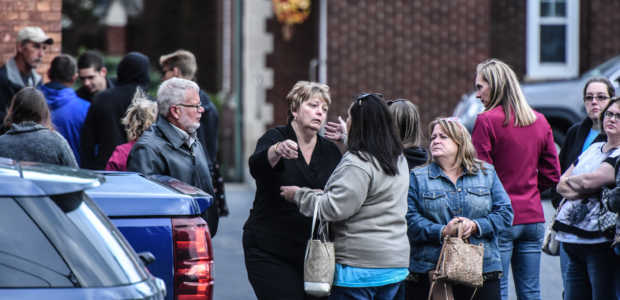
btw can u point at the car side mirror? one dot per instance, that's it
(146, 257)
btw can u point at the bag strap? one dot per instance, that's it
(314, 216)
(438, 268)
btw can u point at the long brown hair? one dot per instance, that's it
(28, 105)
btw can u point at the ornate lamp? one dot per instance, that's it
(289, 13)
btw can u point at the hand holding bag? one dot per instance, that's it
(319, 261)
(459, 262)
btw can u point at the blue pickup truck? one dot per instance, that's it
(165, 217)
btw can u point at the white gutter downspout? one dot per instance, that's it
(323, 42)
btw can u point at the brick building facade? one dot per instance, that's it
(422, 50)
(15, 14)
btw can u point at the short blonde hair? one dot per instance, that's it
(466, 155)
(304, 90)
(506, 91)
(140, 115)
(407, 122)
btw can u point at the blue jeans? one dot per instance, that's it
(384, 292)
(592, 272)
(563, 265)
(520, 246)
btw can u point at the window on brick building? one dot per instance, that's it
(552, 39)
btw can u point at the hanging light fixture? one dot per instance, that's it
(289, 13)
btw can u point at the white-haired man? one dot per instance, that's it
(170, 147)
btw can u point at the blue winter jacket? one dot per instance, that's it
(68, 113)
(434, 200)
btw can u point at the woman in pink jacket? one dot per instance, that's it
(519, 142)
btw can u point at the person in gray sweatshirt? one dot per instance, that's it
(31, 136)
(365, 200)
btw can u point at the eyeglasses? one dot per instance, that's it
(612, 115)
(366, 95)
(395, 101)
(196, 106)
(598, 98)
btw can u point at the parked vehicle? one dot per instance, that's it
(57, 244)
(163, 216)
(561, 101)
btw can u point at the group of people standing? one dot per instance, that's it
(390, 201)
(111, 124)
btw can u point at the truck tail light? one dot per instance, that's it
(193, 259)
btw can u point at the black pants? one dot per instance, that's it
(489, 290)
(272, 276)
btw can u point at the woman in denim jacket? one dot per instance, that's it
(455, 187)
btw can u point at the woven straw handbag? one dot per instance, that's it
(459, 262)
(319, 261)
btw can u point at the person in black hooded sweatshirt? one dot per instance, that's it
(102, 130)
(407, 122)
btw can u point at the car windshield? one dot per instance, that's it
(603, 68)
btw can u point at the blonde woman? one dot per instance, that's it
(407, 122)
(275, 234)
(455, 187)
(140, 115)
(518, 141)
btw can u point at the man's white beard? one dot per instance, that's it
(190, 127)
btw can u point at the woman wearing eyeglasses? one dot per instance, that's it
(592, 269)
(407, 123)
(596, 94)
(365, 200)
(518, 141)
(275, 234)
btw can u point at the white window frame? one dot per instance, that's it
(537, 70)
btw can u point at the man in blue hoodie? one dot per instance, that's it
(68, 110)
(103, 130)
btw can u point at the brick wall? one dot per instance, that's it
(508, 33)
(290, 60)
(599, 35)
(15, 14)
(426, 51)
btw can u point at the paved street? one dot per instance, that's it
(231, 281)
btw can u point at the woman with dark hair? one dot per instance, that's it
(407, 123)
(31, 136)
(596, 94)
(275, 234)
(365, 200)
(591, 270)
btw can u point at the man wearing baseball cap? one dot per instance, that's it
(20, 71)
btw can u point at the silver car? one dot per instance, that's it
(559, 100)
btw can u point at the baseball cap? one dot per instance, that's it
(34, 34)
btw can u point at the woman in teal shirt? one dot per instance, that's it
(365, 202)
